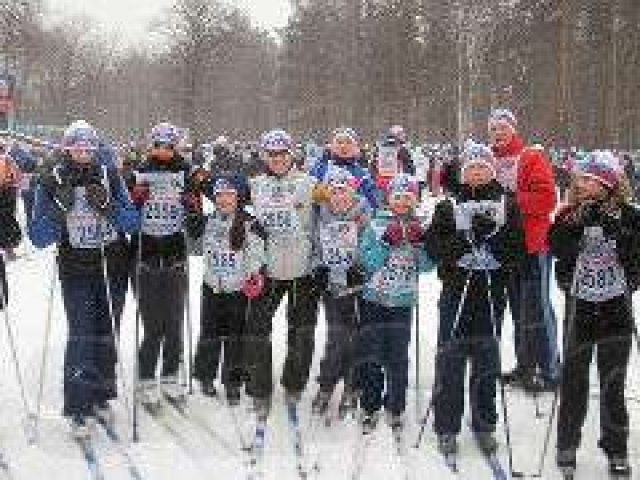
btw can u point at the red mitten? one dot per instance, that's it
(393, 235)
(253, 286)
(415, 233)
(140, 193)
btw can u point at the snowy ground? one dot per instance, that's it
(194, 453)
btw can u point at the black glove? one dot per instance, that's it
(321, 278)
(195, 224)
(482, 226)
(98, 198)
(591, 214)
(355, 276)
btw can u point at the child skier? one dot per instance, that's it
(392, 253)
(162, 190)
(476, 239)
(598, 268)
(282, 199)
(233, 248)
(83, 206)
(337, 227)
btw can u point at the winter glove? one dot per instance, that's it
(199, 177)
(98, 198)
(355, 276)
(192, 201)
(591, 214)
(415, 233)
(393, 234)
(140, 194)
(321, 278)
(195, 224)
(320, 193)
(482, 226)
(253, 286)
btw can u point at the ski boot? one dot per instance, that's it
(369, 422)
(619, 467)
(104, 414)
(172, 390)
(81, 427)
(447, 444)
(262, 407)
(566, 461)
(147, 394)
(348, 403)
(208, 388)
(320, 403)
(233, 395)
(487, 442)
(292, 398)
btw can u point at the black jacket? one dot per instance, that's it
(565, 238)
(171, 249)
(446, 245)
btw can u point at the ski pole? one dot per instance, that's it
(505, 409)
(417, 347)
(436, 389)
(136, 375)
(189, 325)
(12, 347)
(109, 298)
(45, 355)
(568, 334)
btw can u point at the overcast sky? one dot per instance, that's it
(130, 17)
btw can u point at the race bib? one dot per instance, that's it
(163, 213)
(388, 161)
(87, 229)
(507, 172)
(600, 277)
(339, 242)
(464, 212)
(222, 262)
(481, 259)
(399, 276)
(276, 210)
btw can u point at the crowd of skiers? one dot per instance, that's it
(346, 234)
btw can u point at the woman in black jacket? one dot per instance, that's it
(598, 268)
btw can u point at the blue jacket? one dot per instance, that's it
(48, 225)
(367, 188)
(392, 272)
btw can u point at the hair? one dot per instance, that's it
(621, 194)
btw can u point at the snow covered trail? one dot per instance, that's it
(198, 453)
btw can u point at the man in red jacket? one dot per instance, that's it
(527, 173)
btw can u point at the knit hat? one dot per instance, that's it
(601, 165)
(477, 154)
(403, 184)
(165, 134)
(503, 115)
(80, 134)
(346, 132)
(277, 141)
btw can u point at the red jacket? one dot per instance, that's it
(535, 192)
